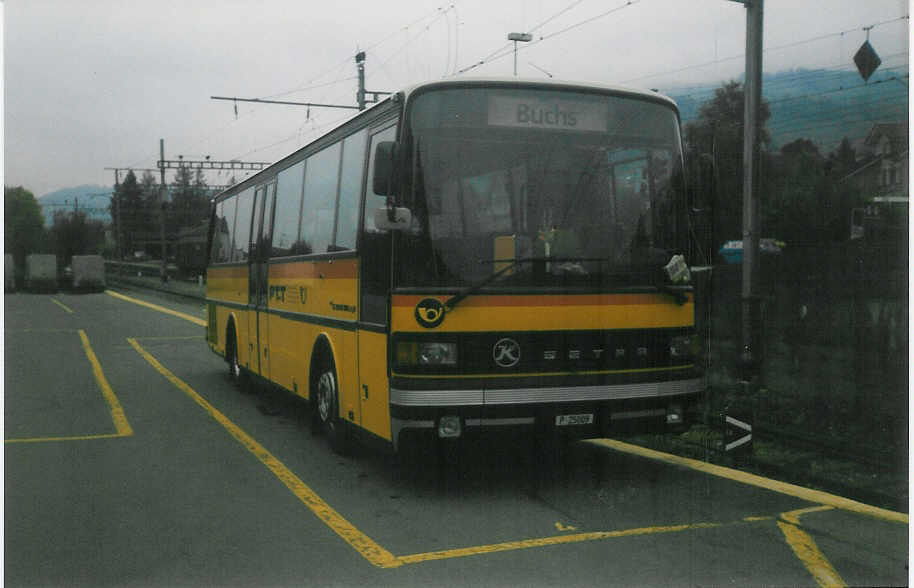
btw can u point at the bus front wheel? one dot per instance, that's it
(327, 408)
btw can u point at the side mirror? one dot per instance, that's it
(392, 219)
(384, 180)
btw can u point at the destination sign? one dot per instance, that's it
(535, 112)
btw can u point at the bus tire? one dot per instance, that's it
(327, 406)
(231, 357)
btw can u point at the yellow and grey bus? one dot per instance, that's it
(466, 255)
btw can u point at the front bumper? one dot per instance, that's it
(616, 409)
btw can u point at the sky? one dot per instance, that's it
(96, 84)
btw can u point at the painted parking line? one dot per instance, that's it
(121, 424)
(363, 544)
(62, 305)
(185, 316)
(565, 539)
(809, 494)
(805, 548)
(801, 543)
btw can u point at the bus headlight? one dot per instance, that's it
(437, 354)
(427, 353)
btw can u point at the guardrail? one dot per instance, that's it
(149, 276)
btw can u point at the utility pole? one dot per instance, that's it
(360, 68)
(162, 192)
(751, 302)
(117, 218)
(117, 222)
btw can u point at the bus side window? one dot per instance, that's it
(321, 177)
(241, 245)
(347, 217)
(227, 226)
(220, 247)
(288, 211)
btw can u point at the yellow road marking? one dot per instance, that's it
(370, 550)
(41, 330)
(759, 481)
(117, 412)
(546, 541)
(62, 305)
(182, 315)
(74, 438)
(560, 527)
(171, 338)
(806, 550)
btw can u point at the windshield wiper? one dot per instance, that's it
(455, 299)
(677, 295)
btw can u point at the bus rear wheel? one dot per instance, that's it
(327, 407)
(231, 358)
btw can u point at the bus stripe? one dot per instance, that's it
(410, 301)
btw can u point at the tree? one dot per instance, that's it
(23, 224)
(797, 195)
(189, 203)
(135, 217)
(74, 234)
(717, 135)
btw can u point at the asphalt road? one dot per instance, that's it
(130, 460)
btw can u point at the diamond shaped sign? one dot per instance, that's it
(867, 60)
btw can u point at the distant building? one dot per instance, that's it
(883, 158)
(883, 181)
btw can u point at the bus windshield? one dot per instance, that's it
(586, 188)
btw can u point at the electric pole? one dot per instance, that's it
(117, 219)
(751, 302)
(162, 192)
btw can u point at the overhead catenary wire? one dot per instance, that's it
(507, 49)
(764, 50)
(836, 71)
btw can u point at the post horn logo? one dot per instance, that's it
(429, 313)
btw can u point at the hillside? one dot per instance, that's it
(821, 105)
(92, 199)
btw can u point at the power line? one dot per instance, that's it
(835, 71)
(775, 48)
(342, 63)
(836, 90)
(506, 50)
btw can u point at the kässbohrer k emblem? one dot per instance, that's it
(506, 353)
(429, 313)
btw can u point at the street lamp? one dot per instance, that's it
(522, 37)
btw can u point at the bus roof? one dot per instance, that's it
(407, 92)
(538, 82)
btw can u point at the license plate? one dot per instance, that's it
(562, 420)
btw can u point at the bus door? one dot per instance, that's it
(374, 285)
(258, 270)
